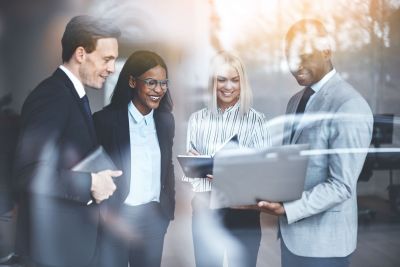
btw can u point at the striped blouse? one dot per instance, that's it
(208, 131)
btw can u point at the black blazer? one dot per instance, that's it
(8, 139)
(112, 128)
(55, 226)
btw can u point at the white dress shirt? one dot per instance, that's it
(145, 182)
(80, 89)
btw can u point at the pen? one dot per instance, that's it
(193, 146)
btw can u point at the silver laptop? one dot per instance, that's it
(243, 177)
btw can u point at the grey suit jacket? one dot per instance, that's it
(323, 223)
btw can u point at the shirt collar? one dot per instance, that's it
(318, 85)
(138, 117)
(231, 108)
(75, 81)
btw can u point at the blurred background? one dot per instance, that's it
(187, 33)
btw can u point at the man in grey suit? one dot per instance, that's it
(320, 228)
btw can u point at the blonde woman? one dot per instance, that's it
(229, 112)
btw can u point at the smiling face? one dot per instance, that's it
(227, 86)
(146, 99)
(308, 51)
(99, 64)
(308, 65)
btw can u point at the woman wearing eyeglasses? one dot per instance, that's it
(229, 112)
(137, 130)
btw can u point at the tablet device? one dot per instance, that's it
(199, 166)
(196, 166)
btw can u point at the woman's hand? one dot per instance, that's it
(193, 152)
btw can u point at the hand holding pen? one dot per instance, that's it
(193, 151)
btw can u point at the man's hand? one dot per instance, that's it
(103, 185)
(274, 208)
(246, 207)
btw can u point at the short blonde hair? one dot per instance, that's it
(246, 94)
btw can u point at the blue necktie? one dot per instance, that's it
(88, 113)
(86, 106)
(308, 92)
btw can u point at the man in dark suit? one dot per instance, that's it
(58, 219)
(9, 122)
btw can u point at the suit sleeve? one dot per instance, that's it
(348, 130)
(44, 118)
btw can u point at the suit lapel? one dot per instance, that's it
(306, 118)
(122, 140)
(315, 106)
(89, 120)
(68, 83)
(291, 112)
(162, 141)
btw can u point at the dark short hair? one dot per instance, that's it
(138, 63)
(303, 26)
(85, 31)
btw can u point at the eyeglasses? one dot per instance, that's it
(152, 83)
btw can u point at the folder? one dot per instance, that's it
(95, 161)
(199, 166)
